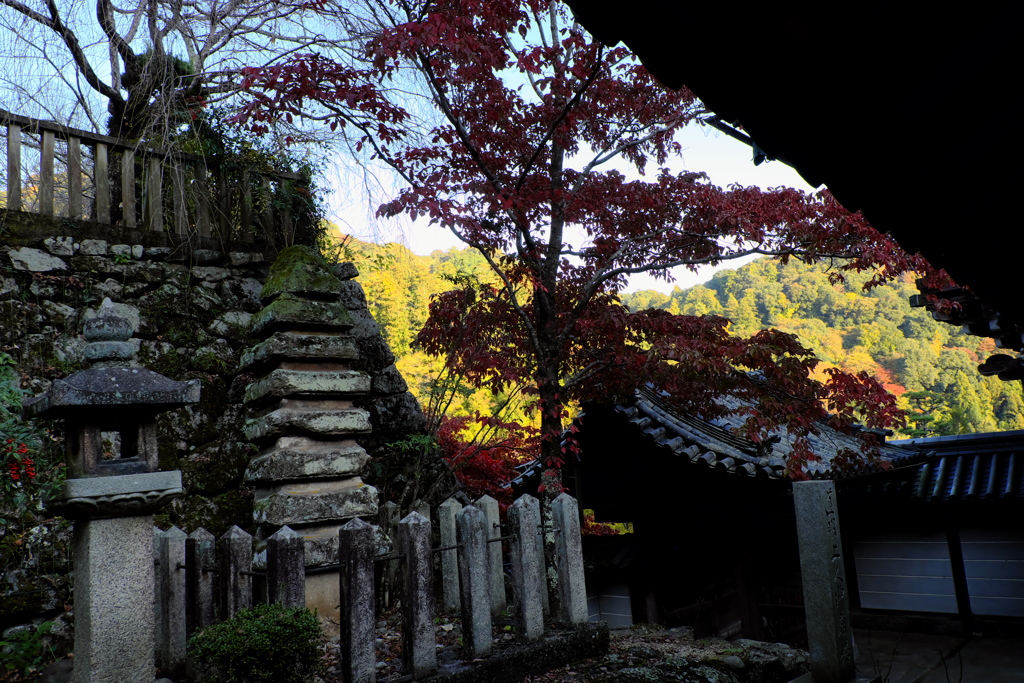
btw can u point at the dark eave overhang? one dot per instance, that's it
(904, 111)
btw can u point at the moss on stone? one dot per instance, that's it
(207, 360)
(300, 270)
(216, 514)
(27, 600)
(290, 311)
(216, 467)
(169, 364)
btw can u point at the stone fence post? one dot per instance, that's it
(388, 571)
(446, 513)
(200, 583)
(419, 654)
(572, 589)
(234, 556)
(170, 627)
(527, 563)
(355, 551)
(286, 569)
(495, 564)
(475, 580)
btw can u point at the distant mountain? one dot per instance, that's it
(930, 366)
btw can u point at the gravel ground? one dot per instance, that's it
(636, 655)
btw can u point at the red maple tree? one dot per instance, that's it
(527, 113)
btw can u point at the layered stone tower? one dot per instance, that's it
(306, 400)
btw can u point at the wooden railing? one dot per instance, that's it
(114, 182)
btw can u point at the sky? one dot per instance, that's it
(724, 159)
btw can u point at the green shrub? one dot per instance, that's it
(266, 644)
(28, 651)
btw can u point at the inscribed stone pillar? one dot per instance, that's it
(527, 567)
(419, 654)
(355, 550)
(496, 568)
(826, 602)
(475, 582)
(170, 583)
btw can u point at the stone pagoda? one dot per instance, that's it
(306, 419)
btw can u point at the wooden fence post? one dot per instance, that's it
(475, 580)
(202, 200)
(46, 154)
(200, 584)
(13, 167)
(74, 170)
(286, 568)
(154, 200)
(234, 555)
(358, 640)
(246, 208)
(527, 564)
(178, 204)
(101, 176)
(419, 652)
(128, 188)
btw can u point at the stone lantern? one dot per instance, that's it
(112, 490)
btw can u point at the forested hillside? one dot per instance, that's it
(931, 366)
(398, 286)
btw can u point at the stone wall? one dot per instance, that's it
(190, 313)
(190, 309)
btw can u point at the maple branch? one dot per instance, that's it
(584, 374)
(507, 285)
(561, 117)
(607, 154)
(441, 99)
